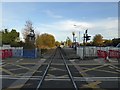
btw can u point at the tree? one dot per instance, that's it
(107, 42)
(98, 40)
(68, 41)
(11, 38)
(45, 41)
(26, 33)
(27, 29)
(57, 43)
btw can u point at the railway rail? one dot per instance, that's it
(58, 69)
(43, 81)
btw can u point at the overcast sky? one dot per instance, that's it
(58, 18)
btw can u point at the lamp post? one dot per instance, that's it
(79, 31)
(85, 38)
(73, 33)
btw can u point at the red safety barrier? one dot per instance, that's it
(114, 54)
(2, 54)
(101, 54)
(10, 53)
(6, 53)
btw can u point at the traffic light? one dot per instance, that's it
(87, 37)
(86, 31)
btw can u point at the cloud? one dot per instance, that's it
(107, 27)
(52, 14)
(66, 25)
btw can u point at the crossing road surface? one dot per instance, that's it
(58, 70)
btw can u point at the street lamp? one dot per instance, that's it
(79, 31)
(73, 33)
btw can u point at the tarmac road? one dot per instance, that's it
(87, 74)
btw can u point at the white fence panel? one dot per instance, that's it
(92, 51)
(17, 51)
(80, 52)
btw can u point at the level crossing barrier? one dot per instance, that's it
(30, 53)
(114, 54)
(17, 51)
(2, 54)
(90, 51)
(6, 52)
(86, 52)
(101, 52)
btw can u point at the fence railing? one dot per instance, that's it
(6, 52)
(101, 52)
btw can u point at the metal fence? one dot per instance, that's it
(30, 53)
(17, 51)
(92, 51)
(6, 52)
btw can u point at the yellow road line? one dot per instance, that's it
(27, 63)
(8, 72)
(92, 85)
(93, 68)
(84, 74)
(114, 66)
(17, 86)
(23, 67)
(101, 70)
(107, 71)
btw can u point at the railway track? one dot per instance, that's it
(54, 76)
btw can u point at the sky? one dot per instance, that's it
(59, 18)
